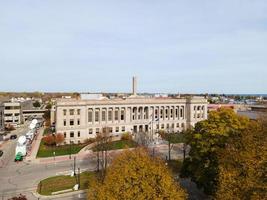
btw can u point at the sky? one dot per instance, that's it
(172, 46)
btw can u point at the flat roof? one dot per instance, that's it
(135, 100)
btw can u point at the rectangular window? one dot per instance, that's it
(123, 128)
(168, 126)
(79, 133)
(71, 111)
(181, 113)
(103, 115)
(78, 111)
(110, 129)
(110, 115)
(162, 126)
(97, 116)
(65, 134)
(116, 115)
(97, 130)
(176, 112)
(90, 131)
(177, 125)
(71, 122)
(117, 129)
(64, 123)
(156, 114)
(90, 116)
(71, 134)
(173, 125)
(64, 112)
(78, 122)
(122, 115)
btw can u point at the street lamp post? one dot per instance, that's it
(74, 165)
(70, 150)
(79, 179)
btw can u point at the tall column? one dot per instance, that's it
(169, 112)
(119, 114)
(113, 115)
(100, 115)
(106, 115)
(131, 114)
(93, 115)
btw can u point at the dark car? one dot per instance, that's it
(13, 137)
(1, 153)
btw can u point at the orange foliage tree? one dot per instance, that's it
(59, 138)
(135, 175)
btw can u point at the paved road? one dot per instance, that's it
(9, 146)
(24, 177)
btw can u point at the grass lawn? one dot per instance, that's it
(59, 183)
(47, 151)
(120, 144)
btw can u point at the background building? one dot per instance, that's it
(81, 119)
(12, 113)
(2, 123)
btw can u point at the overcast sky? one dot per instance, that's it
(97, 46)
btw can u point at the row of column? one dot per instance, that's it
(136, 113)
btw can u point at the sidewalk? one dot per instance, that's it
(35, 146)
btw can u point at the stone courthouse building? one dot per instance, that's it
(80, 119)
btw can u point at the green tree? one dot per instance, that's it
(243, 164)
(135, 175)
(36, 104)
(208, 137)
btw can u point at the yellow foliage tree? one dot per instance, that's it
(134, 175)
(243, 165)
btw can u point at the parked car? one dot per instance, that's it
(1, 153)
(13, 137)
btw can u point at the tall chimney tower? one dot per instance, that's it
(134, 85)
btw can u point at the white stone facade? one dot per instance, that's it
(82, 119)
(2, 122)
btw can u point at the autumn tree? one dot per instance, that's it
(243, 164)
(59, 138)
(206, 140)
(135, 175)
(53, 139)
(49, 139)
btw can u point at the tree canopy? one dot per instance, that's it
(134, 175)
(208, 137)
(243, 164)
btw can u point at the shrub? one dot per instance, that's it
(89, 140)
(10, 127)
(20, 197)
(126, 136)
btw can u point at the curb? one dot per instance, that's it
(39, 196)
